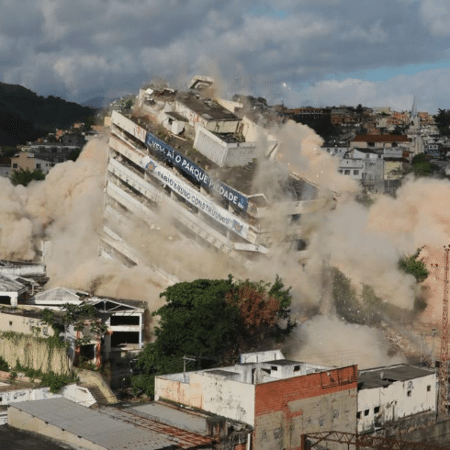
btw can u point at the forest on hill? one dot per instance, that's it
(25, 116)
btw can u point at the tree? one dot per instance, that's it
(24, 177)
(413, 266)
(422, 167)
(211, 321)
(261, 306)
(442, 119)
(83, 317)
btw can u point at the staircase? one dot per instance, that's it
(96, 393)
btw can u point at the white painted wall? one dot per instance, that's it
(210, 392)
(72, 392)
(222, 153)
(398, 400)
(128, 125)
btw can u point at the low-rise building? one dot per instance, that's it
(28, 161)
(123, 324)
(392, 393)
(380, 141)
(280, 399)
(154, 426)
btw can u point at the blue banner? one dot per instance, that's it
(193, 171)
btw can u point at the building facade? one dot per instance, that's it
(392, 393)
(206, 188)
(279, 398)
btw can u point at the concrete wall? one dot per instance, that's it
(72, 392)
(216, 394)
(129, 126)
(393, 170)
(172, 389)
(253, 132)
(25, 421)
(23, 324)
(194, 119)
(35, 354)
(222, 153)
(286, 409)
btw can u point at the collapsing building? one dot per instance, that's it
(191, 157)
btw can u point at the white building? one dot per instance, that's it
(338, 150)
(387, 394)
(124, 321)
(205, 187)
(280, 399)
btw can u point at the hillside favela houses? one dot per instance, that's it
(186, 154)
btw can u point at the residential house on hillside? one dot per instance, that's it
(338, 149)
(366, 166)
(5, 167)
(380, 141)
(28, 161)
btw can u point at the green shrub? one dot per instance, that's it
(4, 365)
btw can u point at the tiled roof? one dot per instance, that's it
(381, 138)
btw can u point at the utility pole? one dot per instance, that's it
(443, 367)
(186, 358)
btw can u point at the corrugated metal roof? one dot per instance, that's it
(61, 295)
(9, 284)
(94, 426)
(186, 420)
(384, 376)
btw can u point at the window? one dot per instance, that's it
(366, 412)
(428, 388)
(296, 368)
(409, 393)
(15, 166)
(356, 172)
(274, 367)
(347, 172)
(10, 323)
(358, 415)
(376, 410)
(38, 166)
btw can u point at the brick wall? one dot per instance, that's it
(286, 409)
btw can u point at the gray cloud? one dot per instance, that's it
(74, 49)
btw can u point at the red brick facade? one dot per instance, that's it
(287, 408)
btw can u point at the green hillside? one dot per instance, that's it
(25, 115)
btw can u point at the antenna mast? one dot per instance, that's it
(443, 367)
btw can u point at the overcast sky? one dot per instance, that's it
(300, 52)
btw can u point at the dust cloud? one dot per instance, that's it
(66, 211)
(330, 341)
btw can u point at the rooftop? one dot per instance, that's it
(207, 108)
(15, 439)
(380, 138)
(9, 284)
(94, 426)
(384, 376)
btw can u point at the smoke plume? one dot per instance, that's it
(66, 210)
